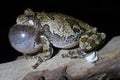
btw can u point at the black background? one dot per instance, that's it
(104, 15)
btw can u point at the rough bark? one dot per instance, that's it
(58, 68)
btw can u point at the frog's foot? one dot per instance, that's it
(78, 53)
(27, 57)
(42, 57)
(30, 57)
(92, 56)
(37, 63)
(70, 54)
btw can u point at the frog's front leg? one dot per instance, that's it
(46, 53)
(42, 57)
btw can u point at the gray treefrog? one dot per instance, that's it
(36, 32)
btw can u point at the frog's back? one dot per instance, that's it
(63, 31)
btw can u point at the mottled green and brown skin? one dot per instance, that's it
(62, 31)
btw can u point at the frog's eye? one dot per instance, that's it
(23, 39)
(27, 18)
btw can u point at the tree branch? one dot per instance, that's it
(58, 68)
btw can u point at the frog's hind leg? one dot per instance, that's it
(90, 40)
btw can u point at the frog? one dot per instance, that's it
(36, 33)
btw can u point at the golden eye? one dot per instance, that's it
(23, 39)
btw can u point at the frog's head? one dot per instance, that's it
(25, 39)
(24, 36)
(28, 18)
